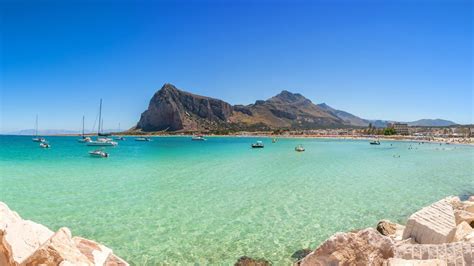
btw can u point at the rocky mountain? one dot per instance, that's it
(172, 109)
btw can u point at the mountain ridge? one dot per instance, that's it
(173, 109)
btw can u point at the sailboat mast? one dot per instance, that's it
(100, 116)
(36, 126)
(82, 126)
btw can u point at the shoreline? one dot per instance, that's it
(401, 138)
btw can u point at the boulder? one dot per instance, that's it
(402, 262)
(434, 224)
(247, 261)
(462, 230)
(386, 228)
(366, 247)
(392, 230)
(471, 199)
(468, 206)
(299, 254)
(457, 253)
(19, 238)
(60, 249)
(464, 216)
(96, 253)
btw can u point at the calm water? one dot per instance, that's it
(177, 201)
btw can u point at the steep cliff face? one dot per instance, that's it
(172, 109)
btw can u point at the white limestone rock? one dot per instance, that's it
(462, 230)
(463, 216)
(434, 224)
(19, 238)
(402, 262)
(457, 253)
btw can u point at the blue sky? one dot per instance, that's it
(398, 60)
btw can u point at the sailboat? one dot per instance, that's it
(101, 141)
(84, 138)
(36, 138)
(120, 137)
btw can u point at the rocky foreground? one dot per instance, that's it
(439, 234)
(25, 243)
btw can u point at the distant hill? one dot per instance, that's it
(432, 123)
(172, 109)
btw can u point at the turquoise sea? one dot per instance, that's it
(177, 201)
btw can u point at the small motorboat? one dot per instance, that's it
(142, 139)
(258, 144)
(375, 142)
(274, 140)
(84, 140)
(119, 138)
(99, 154)
(198, 138)
(299, 148)
(45, 145)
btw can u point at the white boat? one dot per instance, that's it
(101, 141)
(198, 138)
(99, 154)
(36, 138)
(45, 145)
(299, 148)
(84, 139)
(258, 144)
(375, 142)
(142, 139)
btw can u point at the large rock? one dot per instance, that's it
(60, 249)
(19, 238)
(114, 260)
(402, 262)
(366, 247)
(462, 230)
(464, 216)
(392, 230)
(94, 251)
(458, 253)
(434, 224)
(173, 109)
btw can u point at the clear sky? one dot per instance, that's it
(397, 60)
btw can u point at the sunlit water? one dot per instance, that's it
(179, 201)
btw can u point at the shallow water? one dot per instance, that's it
(179, 201)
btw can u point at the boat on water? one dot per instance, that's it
(99, 154)
(258, 144)
(101, 141)
(198, 138)
(119, 138)
(37, 138)
(274, 140)
(83, 138)
(142, 139)
(299, 148)
(375, 142)
(45, 145)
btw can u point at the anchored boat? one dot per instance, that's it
(198, 138)
(45, 145)
(258, 144)
(36, 138)
(299, 148)
(99, 154)
(142, 139)
(101, 141)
